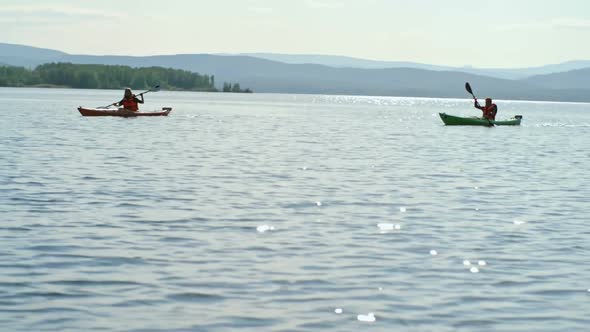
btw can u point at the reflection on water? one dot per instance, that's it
(291, 213)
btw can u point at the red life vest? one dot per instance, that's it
(130, 104)
(489, 113)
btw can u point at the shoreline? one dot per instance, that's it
(317, 94)
(65, 87)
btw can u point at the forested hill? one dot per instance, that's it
(107, 77)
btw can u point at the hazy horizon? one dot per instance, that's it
(264, 54)
(453, 33)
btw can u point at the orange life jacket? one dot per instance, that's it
(490, 112)
(130, 104)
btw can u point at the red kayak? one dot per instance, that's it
(121, 112)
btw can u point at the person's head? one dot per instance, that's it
(488, 101)
(128, 93)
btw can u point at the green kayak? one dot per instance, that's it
(451, 120)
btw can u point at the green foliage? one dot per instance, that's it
(105, 77)
(17, 76)
(235, 87)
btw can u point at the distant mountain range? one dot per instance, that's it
(350, 62)
(27, 56)
(318, 74)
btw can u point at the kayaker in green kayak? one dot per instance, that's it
(488, 119)
(489, 110)
(130, 101)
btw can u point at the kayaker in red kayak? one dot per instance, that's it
(130, 101)
(489, 110)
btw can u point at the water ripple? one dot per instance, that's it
(269, 212)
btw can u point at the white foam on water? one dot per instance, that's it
(466, 263)
(433, 252)
(264, 228)
(385, 227)
(318, 203)
(369, 318)
(474, 270)
(338, 311)
(482, 263)
(402, 209)
(518, 222)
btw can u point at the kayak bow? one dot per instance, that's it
(121, 112)
(451, 120)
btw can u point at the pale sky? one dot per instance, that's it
(482, 33)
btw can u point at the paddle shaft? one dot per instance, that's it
(150, 90)
(468, 88)
(155, 89)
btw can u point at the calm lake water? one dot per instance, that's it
(291, 213)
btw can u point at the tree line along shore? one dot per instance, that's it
(82, 76)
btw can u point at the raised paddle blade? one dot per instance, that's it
(154, 89)
(468, 88)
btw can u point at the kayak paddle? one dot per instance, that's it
(468, 88)
(154, 89)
